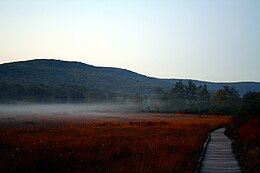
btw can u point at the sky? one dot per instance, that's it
(211, 40)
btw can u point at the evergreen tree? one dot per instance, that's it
(177, 97)
(178, 91)
(225, 101)
(203, 98)
(190, 91)
(190, 96)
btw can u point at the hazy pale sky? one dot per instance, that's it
(213, 40)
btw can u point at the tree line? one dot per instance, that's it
(180, 98)
(197, 99)
(41, 93)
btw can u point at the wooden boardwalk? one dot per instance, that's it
(219, 157)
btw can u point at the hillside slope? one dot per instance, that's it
(56, 72)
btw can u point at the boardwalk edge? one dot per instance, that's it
(198, 167)
(202, 154)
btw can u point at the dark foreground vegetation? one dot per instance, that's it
(155, 143)
(244, 129)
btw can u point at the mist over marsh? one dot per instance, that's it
(65, 109)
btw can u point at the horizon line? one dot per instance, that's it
(162, 78)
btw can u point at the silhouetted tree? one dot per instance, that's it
(225, 101)
(251, 104)
(177, 97)
(191, 96)
(203, 98)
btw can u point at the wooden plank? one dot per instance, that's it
(219, 156)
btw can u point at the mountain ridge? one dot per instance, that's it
(118, 80)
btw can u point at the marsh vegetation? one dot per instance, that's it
(127, 143)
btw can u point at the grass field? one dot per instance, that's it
(132, 143)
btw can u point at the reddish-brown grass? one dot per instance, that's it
(248, 145)
(154, 143)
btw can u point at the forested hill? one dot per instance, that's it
(56, 72)
(116, 80)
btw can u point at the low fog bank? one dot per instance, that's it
(66, 109)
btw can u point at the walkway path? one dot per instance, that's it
(219, 156)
